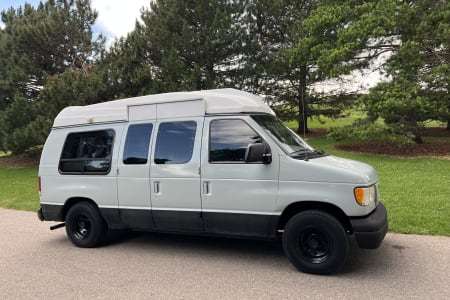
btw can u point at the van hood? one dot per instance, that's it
(331, 169)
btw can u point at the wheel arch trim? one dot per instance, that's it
(74, 200)
(300, 206)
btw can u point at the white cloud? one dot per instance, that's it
(116, 18)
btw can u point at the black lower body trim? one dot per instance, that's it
(246, 225)
(112, 217)
(210, 223)
(190, 221)
(370, 231)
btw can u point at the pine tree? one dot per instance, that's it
(190, 44)
(125, 70)
(270, 67)
(37, 44)
(349, 35)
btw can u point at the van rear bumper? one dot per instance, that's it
(370, 231)
(40, 214)
(50, 212)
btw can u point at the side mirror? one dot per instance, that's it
(259, 152)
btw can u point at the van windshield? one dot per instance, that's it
(291, 143)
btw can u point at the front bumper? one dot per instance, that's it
(369, 231)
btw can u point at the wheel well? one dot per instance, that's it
(72, 201)
(297, 207)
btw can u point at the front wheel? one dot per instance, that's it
(315, 242)
(85, 227)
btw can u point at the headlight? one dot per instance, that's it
(365, 195)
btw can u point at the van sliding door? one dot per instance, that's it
(175, 177)
(133, 176)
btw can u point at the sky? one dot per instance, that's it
(115, 17)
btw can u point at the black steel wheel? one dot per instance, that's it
(82, 226)
(314, 245)
(315, 242)
(85, 226)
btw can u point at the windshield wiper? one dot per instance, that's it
(300, 152)
(306, 154)
(320, 152)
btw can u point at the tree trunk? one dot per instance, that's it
(417, 133)
(418, 139)
(302, 121)
(303, 103)
(448, 121)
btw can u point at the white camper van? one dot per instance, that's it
(215, 162)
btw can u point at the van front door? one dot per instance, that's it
(175, 175)
(238, 198)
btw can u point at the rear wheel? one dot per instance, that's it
(315, 242)
(85, 227)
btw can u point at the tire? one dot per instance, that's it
(85, 227)
(315, 242)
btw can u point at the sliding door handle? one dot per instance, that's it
(206, 188)
(156, 187)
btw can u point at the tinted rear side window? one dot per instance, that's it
(137, 144)
(175, 142)
(87, 152)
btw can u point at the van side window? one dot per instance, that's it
(137, 144)
(87, 152)
(229, 140)
(175, 142)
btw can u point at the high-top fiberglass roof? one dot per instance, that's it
(219, 101)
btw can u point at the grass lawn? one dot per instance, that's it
(325, 122)
(349, 117)
(415, 191)
(18, 188)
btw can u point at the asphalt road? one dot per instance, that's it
(36, 263)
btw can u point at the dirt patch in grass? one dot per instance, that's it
(24, 160)
(435, 149)
(436, 132)
(430, 148)
(313, 132)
